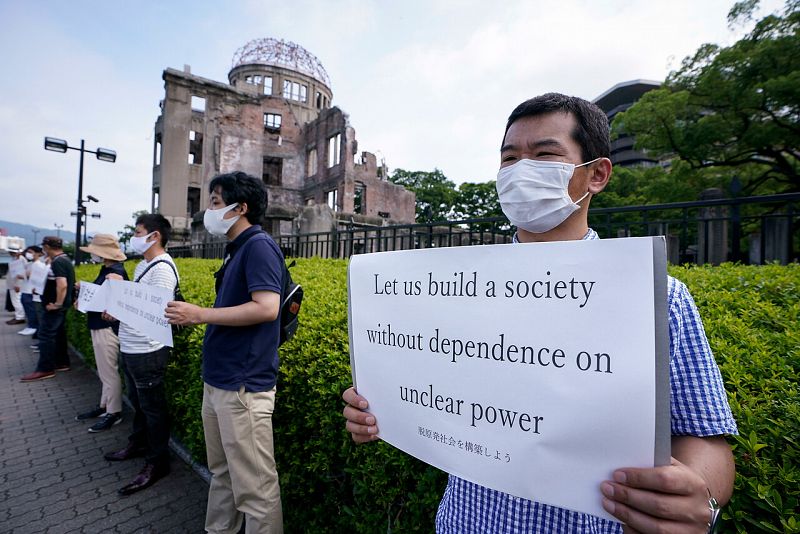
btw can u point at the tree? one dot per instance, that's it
(435, 193)
(477, 201)
(734, 108)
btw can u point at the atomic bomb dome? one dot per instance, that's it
(280, 53)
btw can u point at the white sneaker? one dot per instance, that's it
(27, 331)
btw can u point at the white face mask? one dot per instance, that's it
(140, 245)
(214, 222)
(533, 194)
(96, 258)
(29, 256)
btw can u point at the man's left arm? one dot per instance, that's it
(263, 307)
(61, 294)
(673, 498)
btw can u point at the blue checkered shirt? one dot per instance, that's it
(699, 407)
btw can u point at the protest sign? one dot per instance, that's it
(92, 297)
(533, 369)
(142, 307)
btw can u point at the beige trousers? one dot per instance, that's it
(106, 354)
(239, 447)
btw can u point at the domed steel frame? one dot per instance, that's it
(280, 53)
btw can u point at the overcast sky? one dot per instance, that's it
(426, 83)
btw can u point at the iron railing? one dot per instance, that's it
(749, 230)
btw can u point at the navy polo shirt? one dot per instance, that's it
(235, 356)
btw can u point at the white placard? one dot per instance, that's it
(38, 277)
(16, 268)
(93, 297)
(142, 307)
(533, 369)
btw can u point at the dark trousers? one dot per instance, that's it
(30, 310)
(52, 341)
(144, 380)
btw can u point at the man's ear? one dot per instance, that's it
(600, 175)
(243, 208)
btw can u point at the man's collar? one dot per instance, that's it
(588, 236)
(240, 240)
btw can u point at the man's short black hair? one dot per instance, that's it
(591, 132)
(33, 248)
(240, 187)
(156, 222)
(52, 241)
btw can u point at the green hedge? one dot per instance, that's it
(328, 484)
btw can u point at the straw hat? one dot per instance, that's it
(106, 246)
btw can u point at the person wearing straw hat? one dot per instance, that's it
(105, 249)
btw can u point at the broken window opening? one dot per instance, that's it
(268, 85)
(272, 172)
(311, 162)
(272, 121)
(192, 201)
(198, 104)
(157, 151)
(360, 198)
(334, 150)
(195, 148)
(330, 197)
(319, 100)
(294, 91)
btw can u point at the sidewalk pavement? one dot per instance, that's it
(53, 477)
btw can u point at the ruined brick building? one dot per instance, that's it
(273, 119)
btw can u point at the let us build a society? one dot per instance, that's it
(463, 284)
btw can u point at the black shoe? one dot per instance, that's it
(146, 478)
(130, 451)
(106, 422)
(91, 414)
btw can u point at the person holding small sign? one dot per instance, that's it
(240, 360)
(105, 249)
(56, 300)
(553, 159)
(144, 360)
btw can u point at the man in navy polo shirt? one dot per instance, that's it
(240, 360)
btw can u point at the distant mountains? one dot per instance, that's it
(29, 232)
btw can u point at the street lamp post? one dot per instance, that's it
(103, 154)
(58, 228)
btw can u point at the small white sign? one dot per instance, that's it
(142, 307)
(93, 297)
(533, 369)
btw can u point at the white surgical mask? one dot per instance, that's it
(533, 194)
(140, 245)
(96, 258)
(29, 256)
(214, 222)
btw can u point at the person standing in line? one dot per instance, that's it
(32, 255)
(56, 300)
(104, 249)
(144, 360)
(14, 279)
(240, 360)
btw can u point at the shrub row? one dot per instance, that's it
(328, 484)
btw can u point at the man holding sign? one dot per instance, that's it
(144, 360)
(240, 359)
(554, 158)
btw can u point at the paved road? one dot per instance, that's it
(53, 477)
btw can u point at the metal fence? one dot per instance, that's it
(749, 230)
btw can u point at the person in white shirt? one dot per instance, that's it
(14, 278)
(144, 360)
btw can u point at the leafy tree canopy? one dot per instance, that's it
(435, 193)
(734, 108)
